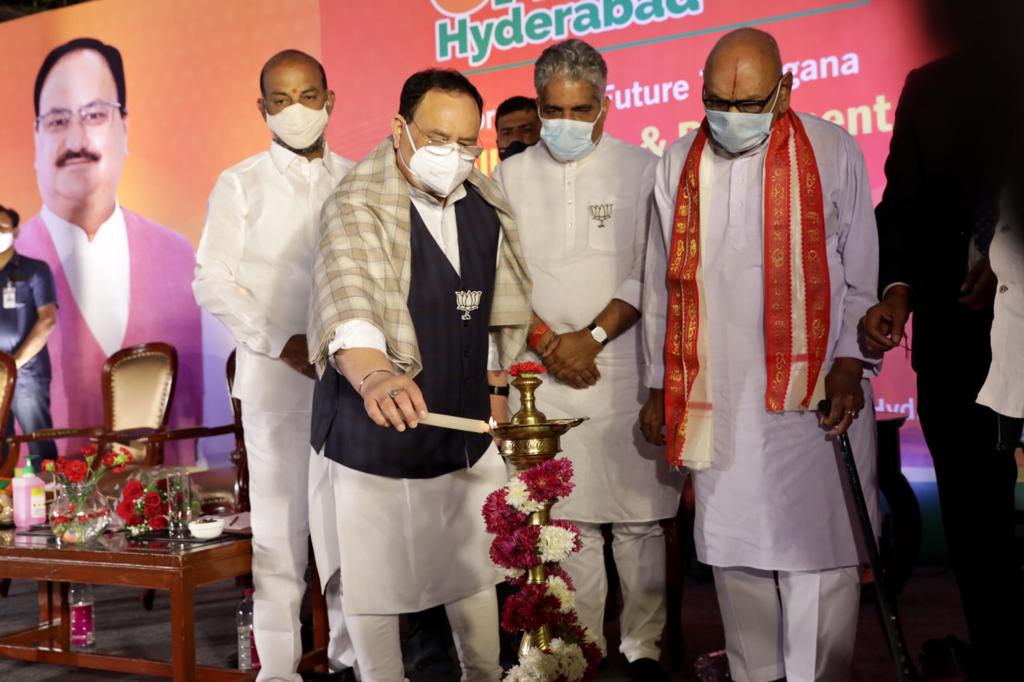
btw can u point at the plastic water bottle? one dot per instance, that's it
(248, 659)
(29, 499)
(82, 631)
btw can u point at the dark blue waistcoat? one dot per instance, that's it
(454, 353)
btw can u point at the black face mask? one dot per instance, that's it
(512, 149)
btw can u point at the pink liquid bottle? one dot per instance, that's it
(82, 631)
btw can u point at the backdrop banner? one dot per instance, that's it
(191, 84)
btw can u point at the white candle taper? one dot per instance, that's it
(445, 421)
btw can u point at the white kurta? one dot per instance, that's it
(406, 545)
(773, 499)
(253, 266)
(578, 267)
(1004, 388)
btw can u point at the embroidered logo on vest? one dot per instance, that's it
(467, 302)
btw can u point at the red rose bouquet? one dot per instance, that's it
(88, 468)
(143, 506)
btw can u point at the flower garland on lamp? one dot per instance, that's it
(527, 548)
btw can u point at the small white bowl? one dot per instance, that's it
(208, 530)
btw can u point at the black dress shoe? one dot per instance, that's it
(647, 670)
(949, 657)
(346, 675)
(712, 667)
(428, 642)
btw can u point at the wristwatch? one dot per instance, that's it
(599, 334)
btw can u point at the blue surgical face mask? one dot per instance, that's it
(568, 140)
(737, 132)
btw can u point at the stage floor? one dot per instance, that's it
(929, 606)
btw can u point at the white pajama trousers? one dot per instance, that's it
(639, 551)
(474, 622)
(800, 625)
(277, 444)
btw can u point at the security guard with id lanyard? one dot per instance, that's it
(27, 317)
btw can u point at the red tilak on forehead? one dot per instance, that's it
(295, 91)
(735, 76)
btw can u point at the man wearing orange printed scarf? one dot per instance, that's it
(765, 237)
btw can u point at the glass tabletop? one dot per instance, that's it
(116, 541)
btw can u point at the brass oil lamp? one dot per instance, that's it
(531, 439)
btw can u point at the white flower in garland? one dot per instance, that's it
(535, 666)
(557, 587)
(518, 674)
(556, 543)
(510, 573)
(571, 662)
(518, 495)
(561, 661)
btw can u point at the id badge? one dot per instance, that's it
(10, 296)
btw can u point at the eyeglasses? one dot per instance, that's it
(468, 150)
(93, 114)
(745, 106)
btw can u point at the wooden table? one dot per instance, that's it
(116, 560)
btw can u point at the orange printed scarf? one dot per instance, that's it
(796, 292)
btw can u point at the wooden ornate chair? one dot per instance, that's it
(210, 481)
(8, 379)
(138, 387)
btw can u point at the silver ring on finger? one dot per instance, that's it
(394, 393)
(852, 413)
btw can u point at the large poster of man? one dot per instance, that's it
(121, 279)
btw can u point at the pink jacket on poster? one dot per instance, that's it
(161, 308)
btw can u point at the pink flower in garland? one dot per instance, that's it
(530, 608)
(517, 549)
(499, 516)
(555, 571)
(550, 480)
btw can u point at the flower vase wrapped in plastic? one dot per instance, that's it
(79, 511)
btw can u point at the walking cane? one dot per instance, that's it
(905, 670)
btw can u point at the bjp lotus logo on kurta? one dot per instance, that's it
(521, 23)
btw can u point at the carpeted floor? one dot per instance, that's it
(930, 609)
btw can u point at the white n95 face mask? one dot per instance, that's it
(568, 140)
(737, 132)
(6, 241)
(298, 126)
(439, 168)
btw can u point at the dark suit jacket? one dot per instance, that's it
(941, 165)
